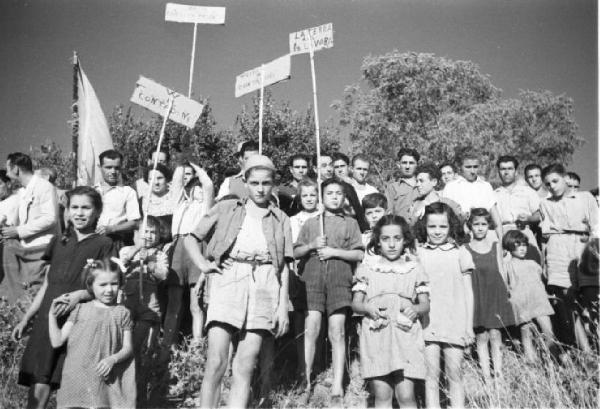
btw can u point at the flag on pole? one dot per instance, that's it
(94, 136)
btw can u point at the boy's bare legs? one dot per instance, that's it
(405, 392)
(244, 363)
(197, 316)
(311, 334)
(38, 396)
(337, 338)
(219, 338)
(383, 392)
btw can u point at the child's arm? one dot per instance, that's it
(469, 304)
(58, 336)
(327, 253)
(359, 306)
(302, 250)
(31, 311)
(106, 365)
(418, 310)
(282, 323)
(68, 301)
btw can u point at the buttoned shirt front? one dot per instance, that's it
(573, 212)
(515, 200)
(401, 195)
(119, 204)
(222, 224)
(470, 195)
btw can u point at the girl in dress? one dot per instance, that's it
(527, 292)
(449, 266)
(492, 309)
(391, 292)
(99, 369)
(41, 365)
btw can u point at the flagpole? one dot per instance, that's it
(192, 62)
(260, 108)
(74, 117)
(318, 164)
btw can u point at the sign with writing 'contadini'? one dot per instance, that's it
(274, 71)
(155, 97)
(322, 37)
(183, 13)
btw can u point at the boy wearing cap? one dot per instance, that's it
(249, 247)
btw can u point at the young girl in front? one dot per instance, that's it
(329, 260)
(41, 365)
(449, 266)
(492, 310)
(527, 292)
(99, 369)
(392, 292)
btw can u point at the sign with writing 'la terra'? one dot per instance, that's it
(274, 71)
(322, 37)
(155, 97)
(183, 13)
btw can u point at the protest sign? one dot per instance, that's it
(321, 37)
(155, 97)
(182, 13)
(267, 74)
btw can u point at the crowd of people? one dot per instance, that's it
(420, 268)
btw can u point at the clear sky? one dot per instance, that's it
(526, 44)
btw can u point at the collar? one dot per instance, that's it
(570, 195)
(444, 247)
(407, 264)
(32, 183)
(409, 181)
(432, 197)
(270, 208)
(105, 187)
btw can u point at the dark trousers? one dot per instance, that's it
(565, 308)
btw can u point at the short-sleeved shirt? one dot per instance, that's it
(363, 190)
(119, 204)
(221, 225)
(448, 316)
(400, 196)
(470, 195)
(298, 220)
(342, 232)
(515, 200)
(573, 212)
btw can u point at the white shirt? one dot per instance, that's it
(37, 213)
(119, 204)
(515, 200)
(363, 190)
(470, 195)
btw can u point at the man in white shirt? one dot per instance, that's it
(234, 185)
(471, 192)
(36, 224)
(120, 208)
(360, 170)
(518, 204)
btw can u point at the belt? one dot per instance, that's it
(253, 262)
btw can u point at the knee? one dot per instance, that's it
(406, 398)
(453, 372)
(496, 337)
(483, 338)
(216, 364)
(312, 329)
(194, 306)
(243, 366)
(336, 334)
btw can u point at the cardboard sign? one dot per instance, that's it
(155, 97)
(275, 71)
(322, 37)
(183, 13)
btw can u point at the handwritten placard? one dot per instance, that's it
(322, 37)
(183, 13)
(155, 97)
(274, 72)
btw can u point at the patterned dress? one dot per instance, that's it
(384, 347)
(96, 334)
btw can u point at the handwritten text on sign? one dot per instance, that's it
(182, 13)
(275, 71)
(155, 97)
(322, 37)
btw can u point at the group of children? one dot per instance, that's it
(420, 291)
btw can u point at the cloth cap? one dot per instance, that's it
(262, 161)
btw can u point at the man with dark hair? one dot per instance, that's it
(121, 211)
(448, 172)
(37, 223)
(573, 181)
(518, 204)
(341, 166)
(533, 177)
(360, 170)
(402, 193)
(234, 185)
(298, 165)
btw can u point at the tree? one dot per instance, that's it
(285, 131)
(443, 108)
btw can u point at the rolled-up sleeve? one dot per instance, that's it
(45, 213)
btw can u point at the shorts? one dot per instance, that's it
(186, 272)
(245, 296)
(329, 289)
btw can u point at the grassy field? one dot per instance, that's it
(176, 384)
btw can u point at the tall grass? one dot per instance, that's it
(540, 384)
